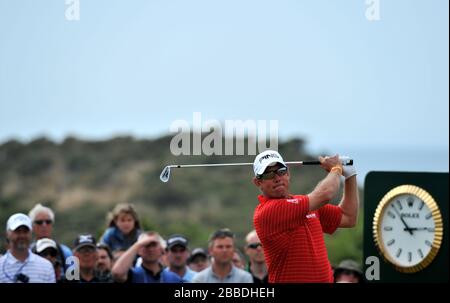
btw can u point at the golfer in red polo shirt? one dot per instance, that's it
(291, 227)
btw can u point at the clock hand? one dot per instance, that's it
(417, 228)
(407, 228)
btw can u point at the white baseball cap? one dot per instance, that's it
(265, 159)
(17, 220)
(44, 243)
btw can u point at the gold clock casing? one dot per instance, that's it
(436, 215)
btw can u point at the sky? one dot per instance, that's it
(320, 68)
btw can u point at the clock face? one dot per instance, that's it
(408, 228)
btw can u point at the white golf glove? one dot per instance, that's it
(347, 170)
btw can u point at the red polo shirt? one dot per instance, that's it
(292, 238)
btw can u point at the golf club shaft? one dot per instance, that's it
(243, 164)
(165, 174)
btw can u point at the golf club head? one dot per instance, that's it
(165, 174)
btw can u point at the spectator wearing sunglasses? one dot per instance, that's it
(43, 219)
(222, 270)
(257, 263)
(47, 248)
(291, 227)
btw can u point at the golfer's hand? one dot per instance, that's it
(348, 170)
(328, 163)
(144, 240)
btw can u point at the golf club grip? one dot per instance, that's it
(350, 162)
(311, 162)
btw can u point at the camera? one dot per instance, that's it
(22, 278)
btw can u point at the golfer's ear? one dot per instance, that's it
(256, 182)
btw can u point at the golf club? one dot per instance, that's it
(165, 174)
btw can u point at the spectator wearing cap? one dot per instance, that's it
(198, 260)
(348, 271)
(104, 261)
(19, 264)
(43, 219)
(85, 250)
(47, 249)
(177, 255)
(257, 263)
(222, 270)
(150, 247)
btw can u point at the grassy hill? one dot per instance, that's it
(83, 180)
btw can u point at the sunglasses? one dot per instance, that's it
(40, 222)
(254, 245)
(49, 252)
(270, 175)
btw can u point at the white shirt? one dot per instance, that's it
(236, 275)
(36, 268)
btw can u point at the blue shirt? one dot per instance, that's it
(66, 250)
(115, 239)
(188, 275)
(142, 275)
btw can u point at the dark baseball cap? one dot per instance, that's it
(198, 252)
(177, 240)
(84, 240)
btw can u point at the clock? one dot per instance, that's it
(407, 228)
